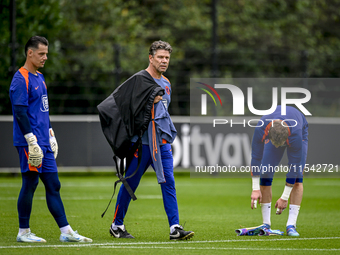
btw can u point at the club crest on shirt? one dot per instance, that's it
(167, 90)
(44, 101)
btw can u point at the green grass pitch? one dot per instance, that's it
(211, 207)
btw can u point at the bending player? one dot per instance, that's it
(37, 146)
(270, 140)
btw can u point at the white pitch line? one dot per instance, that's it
(220, 248)
(122, 244)
(235, 240)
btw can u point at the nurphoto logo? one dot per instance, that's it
(204, 97)
(238, 99)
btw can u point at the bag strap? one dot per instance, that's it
(121, 170)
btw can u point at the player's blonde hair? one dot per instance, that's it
(278, 133)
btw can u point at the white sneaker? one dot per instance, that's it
(30, 238)
(74, 237)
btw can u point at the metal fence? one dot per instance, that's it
(80, 92)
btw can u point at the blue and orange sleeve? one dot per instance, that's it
(19, 88)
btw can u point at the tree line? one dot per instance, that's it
(95, 45)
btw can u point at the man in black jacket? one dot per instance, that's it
(134, 118)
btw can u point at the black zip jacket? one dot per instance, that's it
(127, 111)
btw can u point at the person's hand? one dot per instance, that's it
(280, 205)
(255, 196)
(53, 143)
(157, 99)
(35, 154)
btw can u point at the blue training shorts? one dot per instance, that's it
(48, 165)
